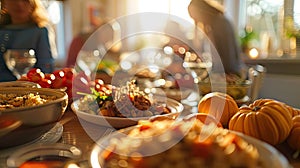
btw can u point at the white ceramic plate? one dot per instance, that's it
(118, 122)
(269, 156)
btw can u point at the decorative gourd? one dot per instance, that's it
(294, 138)
(266, 119)
(220, 105)
(294, 111)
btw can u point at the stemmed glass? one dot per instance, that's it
(19, 61)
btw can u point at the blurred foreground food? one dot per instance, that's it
(194, 144)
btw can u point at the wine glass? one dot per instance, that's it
(19, 61)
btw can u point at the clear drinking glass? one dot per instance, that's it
(19, 61)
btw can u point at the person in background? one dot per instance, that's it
(209, 16)
(75, 47)
(24, 25)
(104, 32)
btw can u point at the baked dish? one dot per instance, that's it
(185, 143)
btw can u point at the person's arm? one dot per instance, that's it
(45, 60)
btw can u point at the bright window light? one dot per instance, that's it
(153, 6)
(174, 7)
(54, 12)
(297, 13)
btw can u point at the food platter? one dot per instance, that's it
(269, 156)
(118, 122)
(45, 113)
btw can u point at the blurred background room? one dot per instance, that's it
(267, 31)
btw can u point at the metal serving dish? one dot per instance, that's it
(236, 91)
(26, 84)
(48, 112)
(24, 134)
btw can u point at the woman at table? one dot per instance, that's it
(209, 16)
(24, 25)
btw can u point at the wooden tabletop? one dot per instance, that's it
(83, 135)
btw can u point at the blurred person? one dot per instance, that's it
(209, 16)
(101, 35)
(75, 47)
(24, 24)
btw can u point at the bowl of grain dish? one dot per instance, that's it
(32, 106)
(231, 84)
(26, 84)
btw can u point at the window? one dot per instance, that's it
(55, 11)
(264, 22)
(273, 26)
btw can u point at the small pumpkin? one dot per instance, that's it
(220, 105)
(293, 139)
(294, 111)
(266, 119)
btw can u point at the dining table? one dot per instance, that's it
(84, 135)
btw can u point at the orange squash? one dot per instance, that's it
(293, 139)
(266, 119)
(220, 105)
(294, 111)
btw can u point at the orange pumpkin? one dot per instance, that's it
(220, 105)
(266, 119)
(294, 111)
(294, 138)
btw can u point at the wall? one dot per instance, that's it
(282, 87)
(282, 80)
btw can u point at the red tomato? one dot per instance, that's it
(98, 85)
(50, 76)
(35, 75)
(32, 71)
(59, 73)
(45, 83)
(58, 82)
(69, 75)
